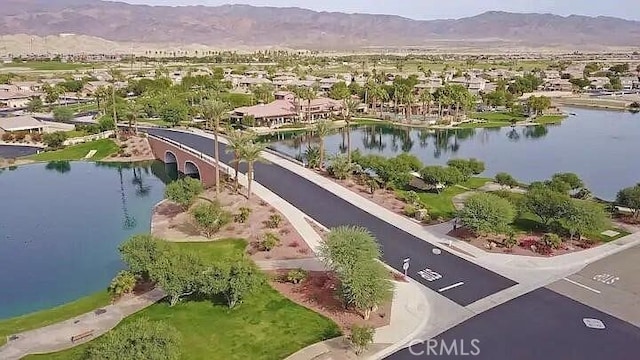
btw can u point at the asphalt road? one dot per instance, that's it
(541, 325)
(330, 210)
(610, 285)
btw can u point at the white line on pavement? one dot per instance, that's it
(451, 286)
(582, 286)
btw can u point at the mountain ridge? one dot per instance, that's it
(293, 27)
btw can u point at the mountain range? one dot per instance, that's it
(246, 26)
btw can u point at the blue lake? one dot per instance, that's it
(61, 224)
(600, 146)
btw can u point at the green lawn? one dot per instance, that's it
(370, 121)
(50, 316)
(49, 65)
(265, 326)
(497, 116)
(440, 205)
(549, 119)
(479, 125)
(76, 133)
(104, 147)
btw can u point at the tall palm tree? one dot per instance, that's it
(322, 129)
(425, 98)
(116, 75)
(309, 95)
(350, 106)
(213, 111)
(134, 112)
(250, 153)
(237, 141)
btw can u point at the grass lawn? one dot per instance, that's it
(497, 116)
(50, 316)
(370, 121)
(104, 147)
(265, 326)
(440, 205)
(479, 125)
(76, 133)
(549, 119)
(49, 65)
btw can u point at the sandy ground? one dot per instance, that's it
(170, 222)
(317, 292)
(132, 148)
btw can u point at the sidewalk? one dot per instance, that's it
(57, 337)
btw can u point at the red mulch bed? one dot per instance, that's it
(317, 292)
(524, 244)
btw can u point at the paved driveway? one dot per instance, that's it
(453, 277)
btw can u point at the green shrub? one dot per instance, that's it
(184, 191)
(296, 276)
(122, 284)
(269, 241)
(55, 139)
(243, 215)
(274, 221)
(552, 240)
(361, 337)
(210, 218)
(410, 210)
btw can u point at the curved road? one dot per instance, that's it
(331, 211)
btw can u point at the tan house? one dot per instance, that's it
(21, 123)
(287, 109)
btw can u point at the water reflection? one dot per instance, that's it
(61, 166)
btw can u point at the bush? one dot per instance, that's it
(122, 284)
(506, 180)
(20, 135)
(552, 240)
(243, 215)
(296, 276)
(269, 241)
(361, 337)
(210, 218)
(510, 241)
(412, 197)
(274, 221)
(7, 136)
(410, 210)
(54, 140)
(339, 167)
(184, 191)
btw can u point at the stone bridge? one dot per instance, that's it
(190, 162)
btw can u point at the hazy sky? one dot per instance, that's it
(438, 9)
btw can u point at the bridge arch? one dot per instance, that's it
(170, 157)
(191, 170)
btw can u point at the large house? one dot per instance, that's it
(21, 123)
(13, 96)
(286, 109)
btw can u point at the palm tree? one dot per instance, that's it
(213, 111)
(309, 94)
(250, 153)
(350, 106)
(237, 141)
(116, 75)
(322, 129)
(134, 111)
(425, 98)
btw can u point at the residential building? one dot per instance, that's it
(599, 83)
(287, 109)
(21, 123)
(557, 85)
(629, 82)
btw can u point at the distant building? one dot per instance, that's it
(286, 109)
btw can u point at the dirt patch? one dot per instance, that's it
(132, 148)
(11, 163)
(317, 292)
(169, 221)
(495, 244)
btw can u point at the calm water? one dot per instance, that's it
(600, 146)
(60, 226)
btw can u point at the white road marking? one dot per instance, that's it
(451, 286)
(582, 285)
